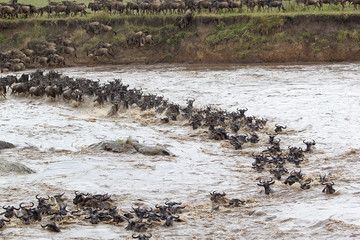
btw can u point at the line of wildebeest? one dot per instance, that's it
(72, 8)
(234, 127)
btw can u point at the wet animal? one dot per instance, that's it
(266, 185)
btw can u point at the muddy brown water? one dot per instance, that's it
(316, 102)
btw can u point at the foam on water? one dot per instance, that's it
(320, 102)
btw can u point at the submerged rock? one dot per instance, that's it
(150, 150)
(5, 145)
(129, 146)
(7, 167)
(114, 146)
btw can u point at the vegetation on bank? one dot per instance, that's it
(246, 33)
(256, 30)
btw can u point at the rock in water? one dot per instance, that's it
(7, 167)
(129, 146)
(114, 146)
(5, 145)
(150, 150)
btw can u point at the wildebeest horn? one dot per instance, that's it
(135, 209)
(106, 197)
(174, 203)
(59, 195)
(38, 198)
(271, 181)
(44, 226)
(32, 204)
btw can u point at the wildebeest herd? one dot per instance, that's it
(73, 8)
(233, 127)
(51, 212)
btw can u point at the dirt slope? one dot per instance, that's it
(234, 39)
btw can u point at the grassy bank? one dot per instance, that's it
(211, 38)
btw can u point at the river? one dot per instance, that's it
(318, 102)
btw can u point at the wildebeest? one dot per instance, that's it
(20, 87)
(186, 19)
(100, 52)
(275, 4)
(266, 185)
(135, 38)
(37, 91)
(147, 40)
(3, 91)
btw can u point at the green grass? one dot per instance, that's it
(251, 33)
(178, 37)
(20, 40)
(283, 37)
(345, 35)
(36, 33)
(3, 39)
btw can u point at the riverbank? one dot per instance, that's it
(255, 38)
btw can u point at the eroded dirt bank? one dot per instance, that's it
(209, 39)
